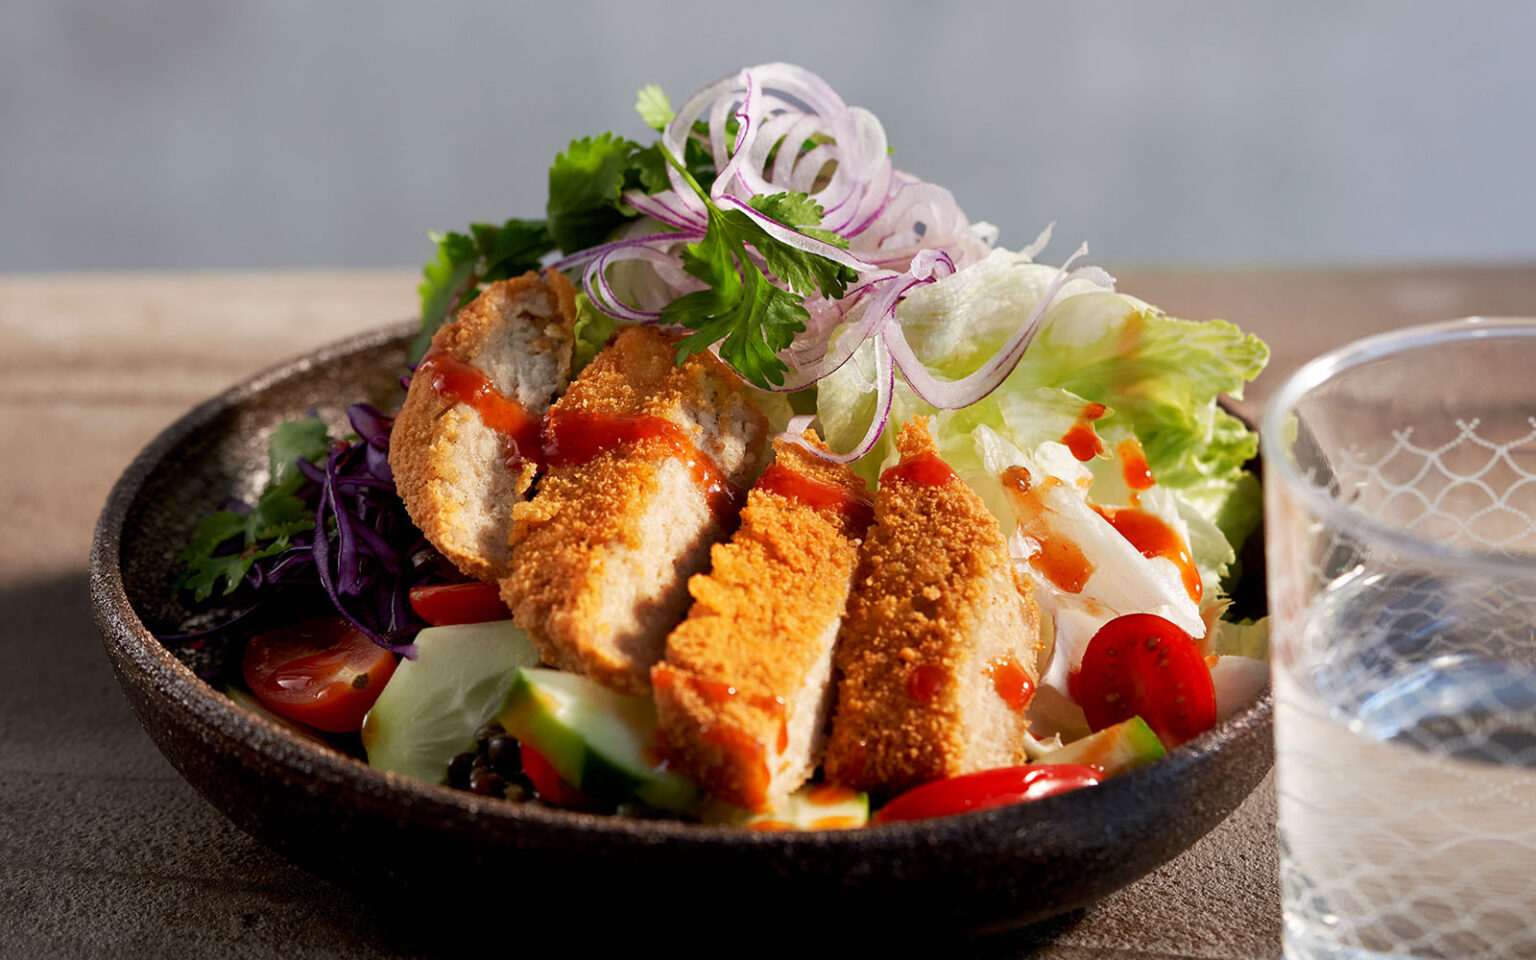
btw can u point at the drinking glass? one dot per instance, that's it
(1400, 508)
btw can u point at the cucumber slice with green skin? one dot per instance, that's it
(248, 701)
(1115, 749)
(429, 711)
(816, 806)
(601, 742)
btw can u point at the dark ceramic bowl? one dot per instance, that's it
(397, 836)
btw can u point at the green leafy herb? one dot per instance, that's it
(742, 310)
(654, 107)
(463, 262)
(585, 183)
(268, 528)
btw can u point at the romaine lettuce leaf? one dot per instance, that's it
(1158, 375)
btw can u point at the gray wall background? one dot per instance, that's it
(195, 134)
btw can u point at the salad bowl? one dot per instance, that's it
(400, 837)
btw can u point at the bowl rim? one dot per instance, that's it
(131, 645)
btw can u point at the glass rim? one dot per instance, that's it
(1321, 369)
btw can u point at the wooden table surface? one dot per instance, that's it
(105, 851)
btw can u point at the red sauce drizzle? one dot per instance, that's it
(1011, 682)
(1154, 538)
(925, 468)
(1081, 438)
(460, 382)
(1060, 561)
(817, 494)
(749, 755)
(829, 793)
(575, 436)
(1133, 465)
(664, 676)
(751, 761)
(924, 681)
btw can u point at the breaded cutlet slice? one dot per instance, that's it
(938, 651)
(602, 554)
(458, 474)
(745, 692)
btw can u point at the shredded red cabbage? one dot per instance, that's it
(364, 552)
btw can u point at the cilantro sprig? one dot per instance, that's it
(463, 262)
(751, 317)
(229, 542)
(587, 181)
(751, 313)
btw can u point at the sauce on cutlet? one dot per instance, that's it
(573, 437)
(924, 681)
(818, 494)
(460, 382)
(666, 677)
(1081, 438)
(925, 469)
(1153, 537)
(1011, 682)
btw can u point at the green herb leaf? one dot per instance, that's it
(228, 542)
(648, 170)
(292, 440)
(749, 316)
(584, 186)
(654, 107)
(452, 278)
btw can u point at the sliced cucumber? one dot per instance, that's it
(429, 711)
(1115, 749)
(816, 806)
(249, 701)
(603, 743)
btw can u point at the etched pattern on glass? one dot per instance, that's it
(1406, 698)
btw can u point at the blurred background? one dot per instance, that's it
(187, 134)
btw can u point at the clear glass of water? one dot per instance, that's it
(1400, 504)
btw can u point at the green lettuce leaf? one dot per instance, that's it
(1159, 377)
(591, 332)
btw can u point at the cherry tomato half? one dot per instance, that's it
(323, 672)
(548, 783)
(1143, 665)
(986, 789)
(444, 604)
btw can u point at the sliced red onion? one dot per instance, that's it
(662, 208)
(953, 394)
(885, 390)
(874, 322)
(799, 423)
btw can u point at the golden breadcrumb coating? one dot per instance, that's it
(743, 694)
(449, 466)
(602, 553)
(936, 604)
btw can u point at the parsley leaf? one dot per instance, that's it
(228, 542)
(584, 186)
(452, 278)
(742, 310)
(654, 107)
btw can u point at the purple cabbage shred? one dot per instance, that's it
(364, 552)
